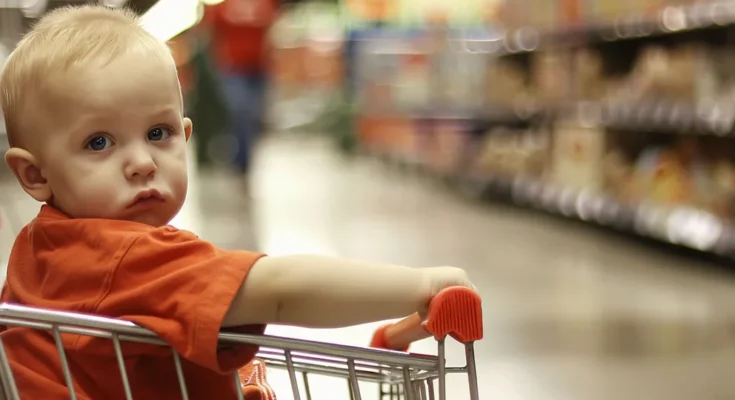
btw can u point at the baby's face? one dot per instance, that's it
(114, 144)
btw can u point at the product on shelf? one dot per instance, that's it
(506, 84)
(578, 156)
(391, 135)
(684, 74)
(510, 153)
(442, 145)
(664, 178)
(551, 73)
(589, 82)
(680, 173)
(724, 189)
(618, 176)
(413, 83)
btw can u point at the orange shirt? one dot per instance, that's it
(239, 31)
(163, 279)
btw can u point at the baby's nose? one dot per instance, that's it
(141, 165)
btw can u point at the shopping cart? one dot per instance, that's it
(455, 312)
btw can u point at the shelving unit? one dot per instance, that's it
(628, 124)
(671, 20)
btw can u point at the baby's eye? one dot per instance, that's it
(98, 143)
(157, 134)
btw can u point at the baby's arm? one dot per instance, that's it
(324, 292)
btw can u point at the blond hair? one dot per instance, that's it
(65, 38)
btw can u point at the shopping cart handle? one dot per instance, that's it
(455, 312)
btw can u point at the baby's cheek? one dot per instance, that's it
(90, 195)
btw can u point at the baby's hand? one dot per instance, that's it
(438, 278)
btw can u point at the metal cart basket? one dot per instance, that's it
(455, 312)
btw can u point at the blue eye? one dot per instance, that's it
(98, 143)
(158, 134)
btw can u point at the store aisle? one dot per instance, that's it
(570, 312)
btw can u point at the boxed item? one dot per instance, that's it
(443, 144)
(589, 81)
(675, 175)
(413, 85)
(386, 134)
(578, 154)
(723, 176)
(551, 74)
(512, 153)
(506, 84)
(684, 74)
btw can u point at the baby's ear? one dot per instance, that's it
(25, 168)
(188, 128)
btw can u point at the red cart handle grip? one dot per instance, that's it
(455, 312)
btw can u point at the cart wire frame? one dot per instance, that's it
(407, 376)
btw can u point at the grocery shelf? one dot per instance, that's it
(680, 226)
(670, 20)
(639, 116)
(660, 117)
(643, 106)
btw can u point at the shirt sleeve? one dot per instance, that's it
(181, 287)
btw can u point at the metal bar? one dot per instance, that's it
(394, 394)
(64, 363)
(350, 390)
(416, 389)
(11, 390)
(292, 376)
(125, 327)
(353, 380)
(442, 373)
(318, 360)
(368, 369)
(238, 386)
(73, 319)
(305, 375)
(337, 368)
(353, 352)
(407, 385)
(472, 371)
(180, 375)
(121, 364)
(328, 359)
(430, 384)
(93, 332)
(332, 371)
(420, 390)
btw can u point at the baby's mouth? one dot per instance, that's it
(147, 197)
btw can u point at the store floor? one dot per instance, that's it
(570, 312)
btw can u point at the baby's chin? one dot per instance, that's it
(150, 218)
(157, 215)
(155, 222)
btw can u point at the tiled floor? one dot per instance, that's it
(570, 312)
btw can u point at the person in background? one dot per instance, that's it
(237, 31)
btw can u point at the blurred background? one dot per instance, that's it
(577, 157)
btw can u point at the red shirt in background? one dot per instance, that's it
(239, 30)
